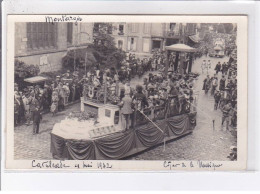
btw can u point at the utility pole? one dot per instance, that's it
(105, 84)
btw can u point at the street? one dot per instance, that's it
(205, 143)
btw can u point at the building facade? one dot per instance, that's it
(44, 44)
(143, 38)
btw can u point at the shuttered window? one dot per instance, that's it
(41, 35)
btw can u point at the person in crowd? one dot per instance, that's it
(203, 66)
(16, 108)
(45, 99)
(37, 117)
(234, 117)
(224, 68)
(33, 104)
(66, 93)
(21, 114)
(61, 95)
(153, 65)
(26, 108)
(214, 85)
(226, 114)
(218, 67)
(55, 101)
(139, 98)
(206, 84)
(222, 83)
(126, 111)
(217, 97)
(208, 66)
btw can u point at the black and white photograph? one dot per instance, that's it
(135, 89)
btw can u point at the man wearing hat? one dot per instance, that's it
(222, 83)
(67, 93)
(37, 117)
(33, 103)
(126, 110)
(140, 98)
(218, 67)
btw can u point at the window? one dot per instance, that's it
(172, 26)
(41, 35)
(156, 44)
(121, 29)
(69, 32)
(120, 44)
(107, 113)
(103, 28)
(132, 44)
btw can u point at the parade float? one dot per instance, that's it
(96, 132)
(219, 48)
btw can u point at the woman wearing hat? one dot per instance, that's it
(55, 100)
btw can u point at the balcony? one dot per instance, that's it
(121, 33)
(172, 34)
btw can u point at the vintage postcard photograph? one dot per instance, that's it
(126, 92)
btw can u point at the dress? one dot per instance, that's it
(55, 100)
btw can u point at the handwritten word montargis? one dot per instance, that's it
(63, 18)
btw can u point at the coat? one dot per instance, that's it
(37, 117)
(127, 105)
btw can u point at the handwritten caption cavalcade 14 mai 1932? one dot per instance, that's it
(167, 165)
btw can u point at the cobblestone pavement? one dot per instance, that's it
(29, 146)
(203, 144)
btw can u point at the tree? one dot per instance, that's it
(79, 56)
(104, 49)
(228, 27)
(22, 71)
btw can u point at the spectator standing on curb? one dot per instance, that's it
(37, 117)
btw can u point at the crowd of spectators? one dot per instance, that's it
(224, 90)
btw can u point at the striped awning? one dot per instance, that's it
(35, 79)
(180, 48)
